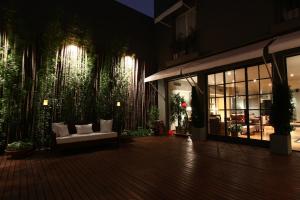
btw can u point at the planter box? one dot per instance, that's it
(198, 133)
(280, 144)
(20, 153)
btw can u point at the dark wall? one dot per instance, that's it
(162, 5)
(108, 24)
(225, 25)
(228, 24)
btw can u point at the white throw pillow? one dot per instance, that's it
(106, 126)
(63, 130)
(55, 129)
(84, 129)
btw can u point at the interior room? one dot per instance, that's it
(293, 74)
(239, 102)
(182, 88)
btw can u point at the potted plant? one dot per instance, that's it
(280, 117)
(19, 149)
(177, 111)
(153, 120)
(235, 129)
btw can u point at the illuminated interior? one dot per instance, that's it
(184, 89)
(240, 100)
(293, 74)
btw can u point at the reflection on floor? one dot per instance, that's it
(295, 135)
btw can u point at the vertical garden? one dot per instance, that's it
(55, 55)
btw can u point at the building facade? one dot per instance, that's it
(222, 59)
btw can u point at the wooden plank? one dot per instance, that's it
(154, 168)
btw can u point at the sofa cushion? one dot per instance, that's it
(54, 128)
(85, 137)
(84, 129)
(106, 126)
(62, 130)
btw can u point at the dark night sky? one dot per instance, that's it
(144, 6)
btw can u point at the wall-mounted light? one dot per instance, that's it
(129, 63)
(118, 104)
(45, 102)
(292, 75)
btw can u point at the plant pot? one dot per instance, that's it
(198, 133)
(180, 130)
(280, 144)
(234, 134)
(19, 154)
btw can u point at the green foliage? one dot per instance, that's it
(282, 109)
(12, 94)
(235, 128)
(140, 132)
(153, 115)
(176, 110)
(19, 145)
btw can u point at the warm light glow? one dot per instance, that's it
(228, 73)
(189, 108)
(292, 75)
(118, 104)
(254, 80)
(45, 102)
(129, 63)
(233, 81)
(270, 84)
(74, 61)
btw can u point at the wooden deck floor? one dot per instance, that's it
(154, 168)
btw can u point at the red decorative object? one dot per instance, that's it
(183, 104)
(170, 133)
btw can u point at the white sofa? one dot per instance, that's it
(84, 134)
(73, 138)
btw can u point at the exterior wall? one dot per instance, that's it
(224, 25)
(162, 101)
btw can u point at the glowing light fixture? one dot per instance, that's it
(292, 75)
(74, 61)
(45, 102)
(189, 108)
(270, 84)
(254, 80)
(118, 104)
(228, 73)
(129, 62)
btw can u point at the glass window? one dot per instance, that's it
(254, 102)
(229, 76)
(240, 75)
(230, 90)
(251, 96)
(253, 87)
(219, 90)
(220, 104)
(240, 88)
(264, 71)
(211, 79)
(241, 102)
(252, 73)
(265, 86)
(293, 73)
(212, 91)
(219, 78)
